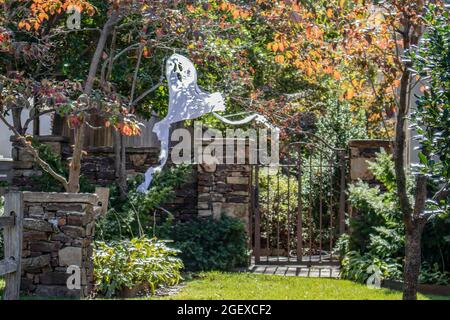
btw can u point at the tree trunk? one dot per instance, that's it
(412, 260)
(123, 169)
(16, 117)
(120, 164)
(412, 216)
(414, 229)
(399, 150)
(75, 165)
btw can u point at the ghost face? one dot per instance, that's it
(180, 72)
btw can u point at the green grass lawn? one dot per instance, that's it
(235, 286)
(215, 285)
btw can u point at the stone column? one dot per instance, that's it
(58, 233)
(224, 189)
(362, 151)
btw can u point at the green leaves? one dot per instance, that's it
(423, 158)
(432, 117)
(207, 244)
(433, 275)
(377, 236)
(134, 217)
(139, 261)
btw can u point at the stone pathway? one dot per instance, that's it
(299, 271)
(284, 266)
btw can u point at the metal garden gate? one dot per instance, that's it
(299, 206)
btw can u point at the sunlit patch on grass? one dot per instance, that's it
(216, 285)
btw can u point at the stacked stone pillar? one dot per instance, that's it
(58, 233)
(362, 152)
(224, 189)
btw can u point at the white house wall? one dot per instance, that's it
(5, 133)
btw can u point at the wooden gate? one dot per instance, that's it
(299, 205)
(11, 221)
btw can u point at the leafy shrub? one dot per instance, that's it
(377, 234)
(277, 196)
(205, 244)
(133, 262)
(355, 266)
(341, 124)
(433, 274)
(431, 118)
(208, 244)
(431, 121)
(436, 241)
(134, 217)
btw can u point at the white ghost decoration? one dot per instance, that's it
(186, 101)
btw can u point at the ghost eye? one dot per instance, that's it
(180, 67)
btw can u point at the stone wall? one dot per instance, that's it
(98, 164)
(24, 166)
(362, 151)
(58, 232)
(184, 205)
(99, 168)
(208, 191)
(224, 189)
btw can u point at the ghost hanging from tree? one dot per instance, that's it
(186, 102)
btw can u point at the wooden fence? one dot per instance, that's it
(103, 137)
(12, 223)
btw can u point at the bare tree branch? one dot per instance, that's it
(44, 165)
(27, 123)
(136, 72)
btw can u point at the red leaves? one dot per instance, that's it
(74, 121)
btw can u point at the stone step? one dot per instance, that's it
(285, 270)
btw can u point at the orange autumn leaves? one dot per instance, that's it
(300, 41)
(128, 129)
(333, 40)
(5, 40)
(235, 10)
(281, 49)
(127, 126)
(41, 10)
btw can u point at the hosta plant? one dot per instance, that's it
(130, 263)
